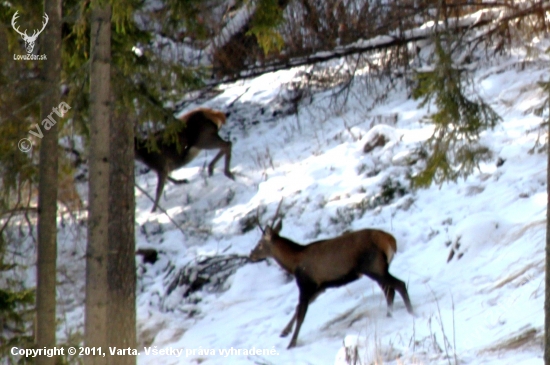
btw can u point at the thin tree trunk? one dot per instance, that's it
(122, 261)
(240, 49)
(47, 187)
(547, 280)
(97, 321)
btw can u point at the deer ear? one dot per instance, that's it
(278, 226)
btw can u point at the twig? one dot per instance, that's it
(393, 40)
(454, 328)
(441, 325)
(238, 97)
(161, 209)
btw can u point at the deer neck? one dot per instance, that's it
(287, 253)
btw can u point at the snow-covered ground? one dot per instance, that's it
(483, 306)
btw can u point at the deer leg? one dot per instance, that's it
(389, 293)
(212, 141)
(389, 298)
(301, 310)
(225, 149)
(215, 160)
(402, 289)
(393, 283)
(227, 165)
(162, 175)
(376, 268)
(308, 291)
(290, 324)
(178, 182)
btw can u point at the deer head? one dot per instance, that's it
(330, 263)
(29, 40)
(264, 245)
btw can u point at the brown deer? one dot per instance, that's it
(199, 133)
(331, 263)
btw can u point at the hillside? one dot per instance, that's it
(471, 252)
(483, 306)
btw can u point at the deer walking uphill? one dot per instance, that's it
(199, 133)
(331, 263)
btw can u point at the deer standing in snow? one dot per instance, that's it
(199, 133)
(331, 263)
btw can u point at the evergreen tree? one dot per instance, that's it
(454, 150)
(121, 263)
(97, 280)
(545, 108)
(16, 303)
(47, 187)
(547, 278)
(20, 98)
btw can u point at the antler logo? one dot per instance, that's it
(29, 40)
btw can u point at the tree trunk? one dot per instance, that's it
(240, 49)
(97, 322)
(547, 280)
(47, 187)
(122, 257)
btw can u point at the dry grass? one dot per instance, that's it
(528, 337)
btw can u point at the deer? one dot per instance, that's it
(29, 40)
(331, 263)
(200, 132)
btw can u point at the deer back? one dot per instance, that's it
(172, 154)
(215, 116)
(329, 260)
(345, 256)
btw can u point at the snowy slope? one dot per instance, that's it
(476, 308)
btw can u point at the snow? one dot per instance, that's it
(471, 307)
(488, 293)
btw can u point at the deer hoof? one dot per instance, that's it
(291, 344)
(284, 333)
(229, 175)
